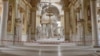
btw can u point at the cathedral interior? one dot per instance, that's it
(49, 27)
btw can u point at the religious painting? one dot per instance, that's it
(9, 21)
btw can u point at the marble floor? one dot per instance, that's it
(32, 51)
(5, 54)
(48, 50)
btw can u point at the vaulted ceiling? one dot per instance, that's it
(35, 2)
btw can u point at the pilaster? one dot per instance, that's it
(4, 21)
(94, 23)
(66, 23)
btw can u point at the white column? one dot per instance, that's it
(65, 24)
(33, 25)
(94, 22)
(4, 20)
(66, 21)
(79, 28)
(33, 20)
(82, 18)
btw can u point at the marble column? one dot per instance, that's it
(4, 20)
(79, 27)
(82, 19)
(15, 22)
(94, 23)
(66, 21)
(33, 25)
(30, 27)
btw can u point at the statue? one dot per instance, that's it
(48, 31)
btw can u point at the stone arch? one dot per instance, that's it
(52, 7)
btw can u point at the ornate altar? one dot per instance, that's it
(49, 29)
